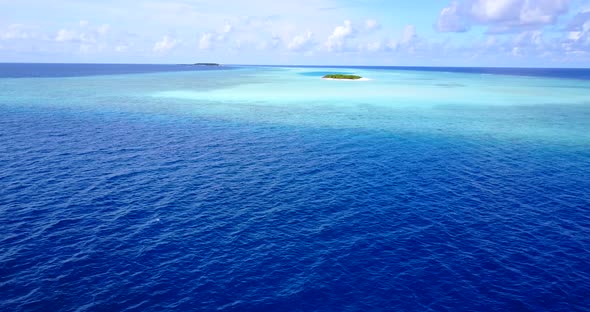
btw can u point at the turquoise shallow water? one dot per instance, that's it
(270, 189)
(510, 107)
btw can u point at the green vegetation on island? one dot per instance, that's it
(341, 76)
(206, 64)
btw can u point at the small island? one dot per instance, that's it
(206, 64)
(342, 76)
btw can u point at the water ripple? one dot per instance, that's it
(125, 213)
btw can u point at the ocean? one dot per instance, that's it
(267, 188)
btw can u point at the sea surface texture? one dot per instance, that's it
(185, 188)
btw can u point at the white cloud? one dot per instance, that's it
(392, 45)
(408, 42)
(529, 38)
(85, 48)
(165, 45)
(577, 36)
(205, 43)
(579, 22)
(540, 46)
(84, 35)
(17, 31)
(227, 28)
(374, 46)
(121, 48)
(491, 41)
(266, 33)
(409, 34)
(65, 35)
(372, 24)
(337, 41)
(500, 15)
(208, 39)
(225, 32)
(103, 29)
(301, 42)
(450, 20)
(516, 51)
(273, 42)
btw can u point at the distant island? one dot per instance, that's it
(206, 64)
(342, 76)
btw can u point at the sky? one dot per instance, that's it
(521, 33)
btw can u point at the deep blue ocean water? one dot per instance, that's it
(47, 70)
(122, 202)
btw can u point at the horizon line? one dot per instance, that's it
(295, 65)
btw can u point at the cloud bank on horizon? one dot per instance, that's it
(369, 32)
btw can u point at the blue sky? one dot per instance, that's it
(553, 33)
